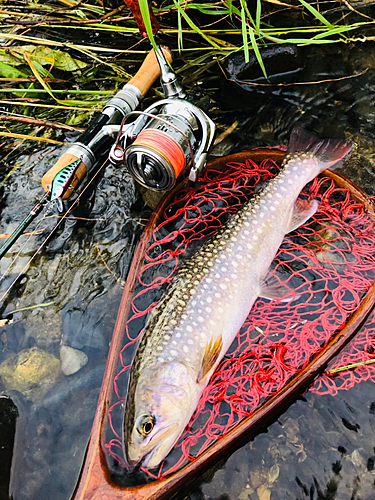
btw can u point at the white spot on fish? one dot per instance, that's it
(208, 309)
(203, 335)
(189, 328)
(159, 348)
(178, 335)
(200, 319)
(173, 352)
(235, 264)
(185, 348)
(218, 295)
(223, 286)
(190, 341)
(209, 300)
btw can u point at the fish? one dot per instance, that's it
(191, 328)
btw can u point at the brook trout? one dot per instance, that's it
(197, 319)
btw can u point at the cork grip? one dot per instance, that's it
(149, 71)
(144, 78)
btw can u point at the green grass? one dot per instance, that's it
(237, 25)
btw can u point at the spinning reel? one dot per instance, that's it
(166, 139)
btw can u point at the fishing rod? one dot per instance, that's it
(80, 159)
(171, 137)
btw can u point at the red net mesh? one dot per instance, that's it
(328, 263)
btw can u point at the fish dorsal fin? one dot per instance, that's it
(211, 354)
(271, 288)
(302, 211)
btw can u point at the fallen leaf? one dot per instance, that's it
(42, 55)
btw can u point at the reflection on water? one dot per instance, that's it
(322, 447)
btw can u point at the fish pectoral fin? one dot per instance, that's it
(271, 288)
(212, 352)
(302, 211)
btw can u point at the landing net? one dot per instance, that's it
(328, 263)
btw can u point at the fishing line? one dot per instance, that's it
(6, 272)
(164, 145)
(53, 230)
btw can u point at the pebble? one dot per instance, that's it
(245, 493)
(273, 473)
(263, 493)
(72, 360)
(357, 460)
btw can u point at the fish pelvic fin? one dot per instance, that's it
(303, 210)
(271, 288)
(211, 354)
(328, 152)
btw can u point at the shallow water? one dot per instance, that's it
(322, 447)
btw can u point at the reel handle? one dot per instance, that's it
(142, 81)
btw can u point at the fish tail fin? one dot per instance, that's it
(327, 152)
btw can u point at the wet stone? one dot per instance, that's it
(246, 493)
(357, 460)
(263, 493)
(32, 372)
(72, 360)
(273, 473)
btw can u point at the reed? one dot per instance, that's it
(40, 82)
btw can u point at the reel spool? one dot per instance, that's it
(163, 148)
(163, 141)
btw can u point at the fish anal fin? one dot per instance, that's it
(271, 288)
(211, 354)
(303, 210)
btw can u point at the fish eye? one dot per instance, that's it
(146, 424)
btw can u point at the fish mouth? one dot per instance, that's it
(161, 443)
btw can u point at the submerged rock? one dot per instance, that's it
(72, 360)
(282, 63)
(246, 87)
(31, 371)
